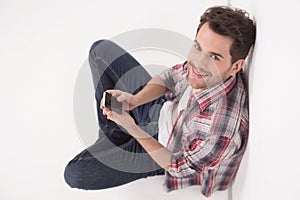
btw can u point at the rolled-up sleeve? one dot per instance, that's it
(200, 155)
(171, 77)
(168, 77)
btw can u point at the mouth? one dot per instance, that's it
(198, 74)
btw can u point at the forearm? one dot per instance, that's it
(157, 151)
(155, 88)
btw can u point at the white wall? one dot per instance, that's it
(270, 169)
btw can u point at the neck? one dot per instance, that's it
(196, 90)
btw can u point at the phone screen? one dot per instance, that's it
(112, 103)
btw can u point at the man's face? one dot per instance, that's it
(209, 61)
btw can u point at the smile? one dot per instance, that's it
(198, 74)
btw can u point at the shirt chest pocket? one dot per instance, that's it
(199, 127)
(196, 129)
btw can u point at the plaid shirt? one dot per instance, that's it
(210, 135)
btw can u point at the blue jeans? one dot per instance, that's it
(116, 158)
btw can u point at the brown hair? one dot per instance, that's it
(234, 23)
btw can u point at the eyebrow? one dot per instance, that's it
(211, 52)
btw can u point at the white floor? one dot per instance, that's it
(44, 45)
(146, 189)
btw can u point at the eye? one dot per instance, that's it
(215, 57)
(197, 46)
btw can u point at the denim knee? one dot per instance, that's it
(74, 176)
(99, 42)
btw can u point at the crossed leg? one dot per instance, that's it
(116, 158)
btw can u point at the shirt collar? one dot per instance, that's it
(206, 97)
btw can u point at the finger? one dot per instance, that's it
(121, 98)
(101, 104)
(114, 92)
(111, 115)
(109, 91)
(117, 93)
(125, 106)
(106, 111)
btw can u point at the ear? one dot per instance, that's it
(237, 66)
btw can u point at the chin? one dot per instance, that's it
(197, 85)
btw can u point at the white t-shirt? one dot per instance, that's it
(168, 115)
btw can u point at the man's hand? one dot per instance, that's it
(128, 103)
(128, 100)
(124, 119)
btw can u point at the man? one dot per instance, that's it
(203, 124)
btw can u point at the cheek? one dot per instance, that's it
(222, 68)
(227, 73)
(220, 73)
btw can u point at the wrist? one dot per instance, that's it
(135, 100)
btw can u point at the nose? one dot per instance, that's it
(200, 65)
(200, 60)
